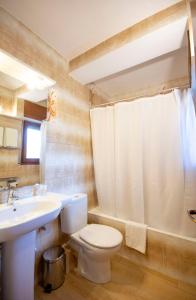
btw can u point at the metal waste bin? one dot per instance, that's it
(53, 268)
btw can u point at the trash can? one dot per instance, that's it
(53, 268)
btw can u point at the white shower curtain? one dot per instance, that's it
(145, 160)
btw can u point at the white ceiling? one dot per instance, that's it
(154, 44)
(73, 26)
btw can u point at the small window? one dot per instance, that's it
(31, 143)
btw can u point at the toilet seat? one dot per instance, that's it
(101, 236)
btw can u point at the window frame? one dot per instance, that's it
(24, 159)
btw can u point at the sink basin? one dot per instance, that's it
(27, 215)
(18, 226)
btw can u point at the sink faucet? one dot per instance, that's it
(11, 187)
(11, 197)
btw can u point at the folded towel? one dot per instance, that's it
(135, 234)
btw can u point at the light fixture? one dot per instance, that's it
(14, 68)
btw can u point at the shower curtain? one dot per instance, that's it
(145, 160)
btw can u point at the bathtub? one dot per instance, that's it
(167, 253)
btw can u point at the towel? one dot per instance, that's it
(135, 234)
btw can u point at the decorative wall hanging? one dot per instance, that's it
(51, 110)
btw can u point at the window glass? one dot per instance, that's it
(33, 143)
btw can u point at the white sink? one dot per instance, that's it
(27, 215)
(18, 226)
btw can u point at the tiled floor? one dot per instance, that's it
(129, 282)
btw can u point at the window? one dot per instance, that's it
(31, 143)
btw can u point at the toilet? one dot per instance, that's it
(94, 243)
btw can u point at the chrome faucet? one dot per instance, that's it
(11, 197)
(11, 187)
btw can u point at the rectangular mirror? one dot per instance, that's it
(23, 108)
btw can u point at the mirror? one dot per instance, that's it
(23, 107)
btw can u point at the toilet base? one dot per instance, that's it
(93, 263)
(93, 268)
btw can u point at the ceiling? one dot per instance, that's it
(156, 43)
(74, 26)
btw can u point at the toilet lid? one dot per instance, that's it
(101, 236)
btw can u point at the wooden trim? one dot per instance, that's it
(34, 111)
(24, 160)
(149, 24)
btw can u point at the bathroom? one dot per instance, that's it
(116, 137)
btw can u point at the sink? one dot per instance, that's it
(18, 224)
(27, 215)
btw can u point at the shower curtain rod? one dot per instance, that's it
(161, 92)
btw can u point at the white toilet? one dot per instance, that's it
(94, 243)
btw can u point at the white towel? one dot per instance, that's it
(135, 234)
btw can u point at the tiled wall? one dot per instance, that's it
(7, 101)
(68, 151)
(69, 165)
(69, 156)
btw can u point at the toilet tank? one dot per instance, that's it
(74, 213)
